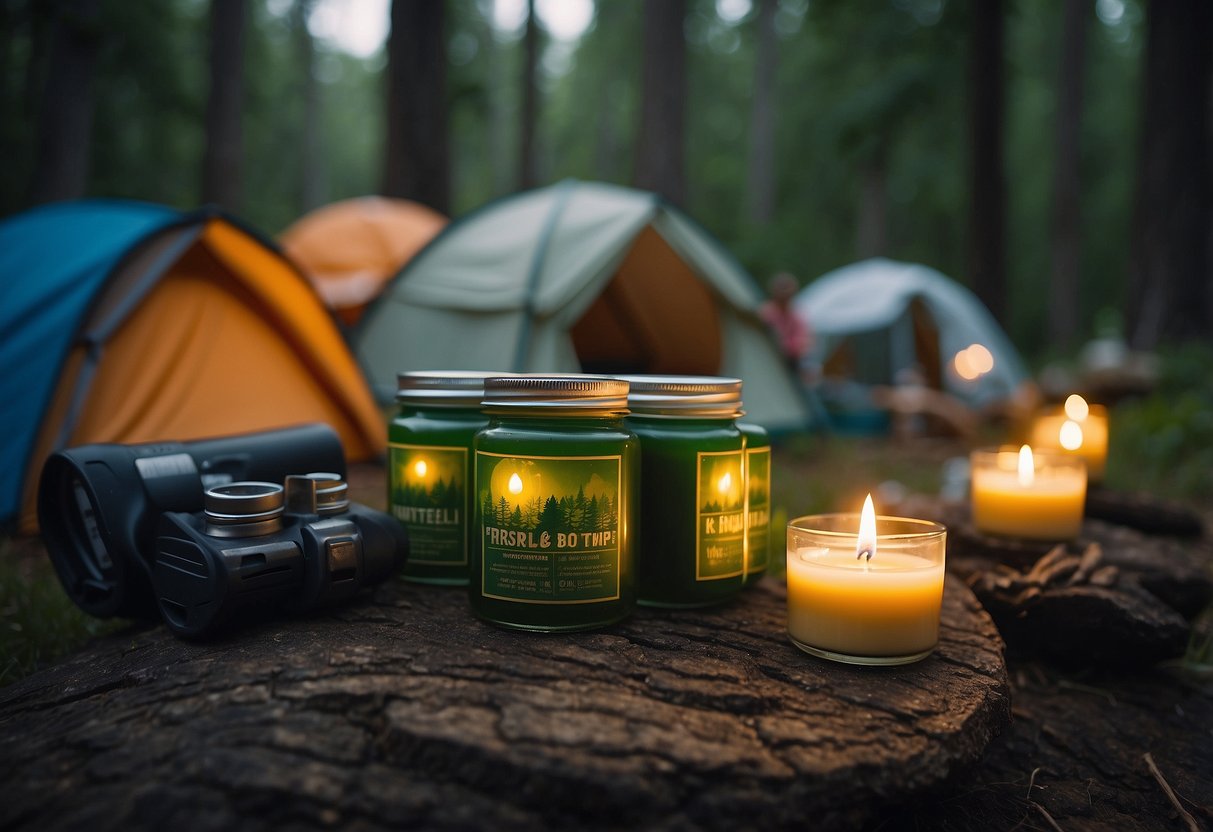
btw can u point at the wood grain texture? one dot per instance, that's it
(403, 710)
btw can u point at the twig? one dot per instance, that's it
(1031, 783)
(1047, 816)
(1193, 826)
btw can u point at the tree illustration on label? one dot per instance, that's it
(550, 527)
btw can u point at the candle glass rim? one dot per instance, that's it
(1051, 457)
(926, 529)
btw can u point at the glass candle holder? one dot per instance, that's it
(1037, 495)
(844, 607)
(1086, 437)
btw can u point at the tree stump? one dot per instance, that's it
(404, 711)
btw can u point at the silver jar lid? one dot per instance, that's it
(560, 393)
(685, 396)
(442, 388)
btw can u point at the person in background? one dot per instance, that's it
(790, 330)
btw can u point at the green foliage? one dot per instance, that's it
(38, 623)
(1163, 443)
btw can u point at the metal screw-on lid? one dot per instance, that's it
(442, 388)
(563, 393)
(683, 396)
(243, 509)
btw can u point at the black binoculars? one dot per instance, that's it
(199, 533)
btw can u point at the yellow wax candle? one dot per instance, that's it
(879, 611)
(1035, 496)
(1078, 428)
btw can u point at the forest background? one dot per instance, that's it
(1054, 156)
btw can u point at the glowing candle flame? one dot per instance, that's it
(419, 468)
(515, 484)
(725, 483)
(866, 544)
(1070, 435)
(1077, 408)
(1027, 467)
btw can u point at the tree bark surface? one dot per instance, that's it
(661, 141)
(223, 160)
(404, 711)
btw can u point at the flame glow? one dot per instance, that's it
(1070, 435)
(420, 468)
(515, 484)
(1077, 408)
(973, 362)
(725, 483)
(866, 543)
(1027, 467)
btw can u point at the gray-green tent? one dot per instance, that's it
(579, 277)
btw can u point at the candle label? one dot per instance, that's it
(550, 527)
(758, 509)
(428, 487)
(720, 516)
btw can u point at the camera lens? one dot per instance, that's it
(243, 509)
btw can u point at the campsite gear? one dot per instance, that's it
(98, 504)
(430, 470)
(758, 500)
(579, 277)
(350, 249)
(258, 548)
(128, 322)
(556, 504)
(882, 322)
(692, 493)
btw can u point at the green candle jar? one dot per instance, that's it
(692, 494)
(430, 470)
(555, 483)
(758, 500)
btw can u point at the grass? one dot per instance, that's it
(38, 622)
(1162, 443)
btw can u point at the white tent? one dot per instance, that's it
(579, 277)
(905, 315)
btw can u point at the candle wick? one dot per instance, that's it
(866, 550)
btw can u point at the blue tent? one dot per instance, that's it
(53, 262)
(129, 322)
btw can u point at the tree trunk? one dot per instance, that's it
(660, 145)
(223, 162)
(312, 179)
(417, 164)
(987, 244)
(65, 119)
(872, 236)
(1172, 264)
(760, 178)
(406, 712)
(527, 177)
(1064, 294)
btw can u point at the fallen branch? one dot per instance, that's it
(1193, 826)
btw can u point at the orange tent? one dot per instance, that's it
(350, 249)
(168, 327)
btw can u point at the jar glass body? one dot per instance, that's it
(758, 500)
(692, 511)
(556, 502)
(430, 488)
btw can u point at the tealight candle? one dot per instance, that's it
(860, 597)
(1078, 428)
(1038, 496)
